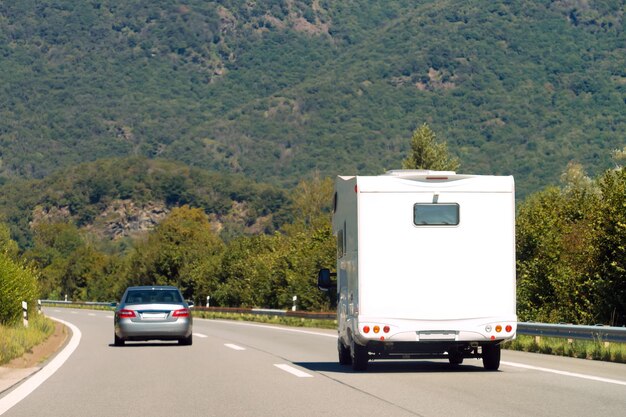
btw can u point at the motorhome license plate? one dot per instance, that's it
(436, 335)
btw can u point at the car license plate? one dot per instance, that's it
(153, 316)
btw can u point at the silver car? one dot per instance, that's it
(153, 313)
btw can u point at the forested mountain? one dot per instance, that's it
(118, 200)
(277, 89)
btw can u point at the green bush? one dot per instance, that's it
(17, 283)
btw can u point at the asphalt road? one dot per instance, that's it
(242, 369)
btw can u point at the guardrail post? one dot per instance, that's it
(39, 306)
(208, 298)
(295, 298)
(25, 313)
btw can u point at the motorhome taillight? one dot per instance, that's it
(376, 329)
(508, 328)
(366, 329)
(498, 328)
(386, 329)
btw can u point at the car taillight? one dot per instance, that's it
(126, 314)
(183, 312)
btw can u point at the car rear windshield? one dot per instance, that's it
(153, 296)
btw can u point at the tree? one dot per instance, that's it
(311, 201)
(427, 153)
(54, 246)
(173, 252)
(610, 245)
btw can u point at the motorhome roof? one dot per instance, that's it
(417, 172)
(429, 181)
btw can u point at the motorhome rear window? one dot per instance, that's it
(436, 214)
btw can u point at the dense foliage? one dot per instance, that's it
(94, 194)
(571, 250)
(185, 249)
(98, 98)
(278, 89)
(571, 244)
(17, 282)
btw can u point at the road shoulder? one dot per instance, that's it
(18, 369)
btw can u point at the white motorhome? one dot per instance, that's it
(425, 266)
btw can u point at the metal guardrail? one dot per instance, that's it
(567, 331)
(79, 303)
(570, 331)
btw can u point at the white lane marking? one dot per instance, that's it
(92, 314)
(200, 335)
(109, 317)
(565, 373)
(31, 384)
(518, 365)
(292, 370)
(282, 329)
(234, 347)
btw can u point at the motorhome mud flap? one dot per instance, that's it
(437, 335)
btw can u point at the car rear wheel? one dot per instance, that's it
(118, 341)
(186, 341)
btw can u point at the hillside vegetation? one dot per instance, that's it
(277, 89)
(120, 199)
(192, 142)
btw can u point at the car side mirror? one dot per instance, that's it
(324, 281)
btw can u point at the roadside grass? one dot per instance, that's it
(582, 349)
(17, 340)
(269, 319)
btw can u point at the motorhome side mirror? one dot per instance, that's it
(323, 279)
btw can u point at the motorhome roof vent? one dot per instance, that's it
(417, 172)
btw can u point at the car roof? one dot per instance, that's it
(152, 287)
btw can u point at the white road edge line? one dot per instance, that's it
(292, 370)
(234, 347)
(565, 373)
(200, 335)
(32, 383)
